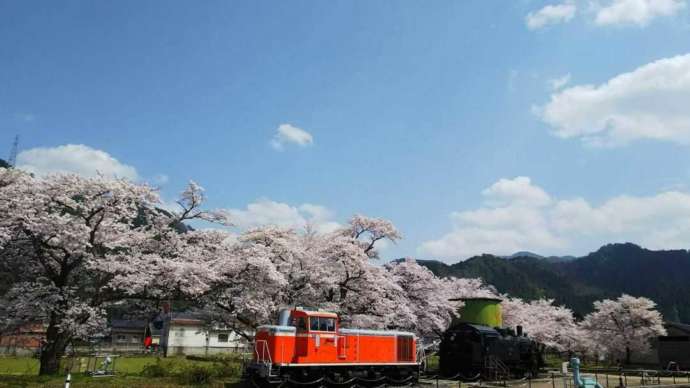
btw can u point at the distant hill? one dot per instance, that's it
(537, 256)
(663, 276)
(524, 254)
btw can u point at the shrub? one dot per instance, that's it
(155, 370)
(227, 370)
(196, 374)
(222, 358)
(192, 357)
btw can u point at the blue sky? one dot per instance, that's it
(440, 116)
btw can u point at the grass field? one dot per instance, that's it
(131, 372)
(18, 366)
(140, 372)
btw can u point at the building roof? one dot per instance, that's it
(677, 326)
(316, 312)
(327, 314)
(186, 322)
(127, 324)
(132, 325)
(382, 333)
(186, 318)
(17, 326)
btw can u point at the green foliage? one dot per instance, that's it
(201, 358)
(196, 374)
(137, 371)
(155, 370)
(432, 363)
(193, 369)
(229, 370)
(18, 366)
(221, 358)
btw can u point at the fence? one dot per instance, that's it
(636, 377)
(607, 378)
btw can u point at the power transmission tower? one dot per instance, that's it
(12, 160)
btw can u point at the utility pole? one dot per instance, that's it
(12, 160)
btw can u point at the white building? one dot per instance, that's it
(183, 334)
